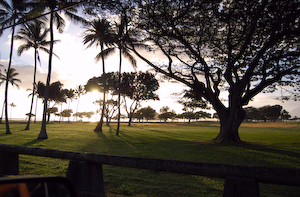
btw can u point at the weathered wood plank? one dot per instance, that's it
(282, 176)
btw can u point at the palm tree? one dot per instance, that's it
(99, 33)
(9, 78)
(70, 95)
(34, 37)
(69, 12)
(35, 93)
(122, 40)
(11, 106)
(10, 14)
(78, 92)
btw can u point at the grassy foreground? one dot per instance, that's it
(266, 144)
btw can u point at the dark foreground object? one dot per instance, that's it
(238, 178)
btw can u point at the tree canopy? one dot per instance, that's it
(146, 112)
(241, 47)
(267, 113)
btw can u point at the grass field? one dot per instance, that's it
(265, 144)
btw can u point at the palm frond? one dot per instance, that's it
(23, 48)
(10, 76)
(5, 5)
(90, 38)
(128, 56)
(105, 53)
(75, 18)
(48, 51)
(38, 57)
(59, 21)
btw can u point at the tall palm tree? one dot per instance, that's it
(10, 14)
(34, 37)
(99, 33)
(9, 77)
(122, 40)
(55, 18)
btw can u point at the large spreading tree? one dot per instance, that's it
(241, 48)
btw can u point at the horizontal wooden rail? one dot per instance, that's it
(281, 176)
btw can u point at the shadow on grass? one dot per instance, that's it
(101, 134)
(125, 138)
(32, 142)
(264, 148)
(4, 134)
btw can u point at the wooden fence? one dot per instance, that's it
(85, 170)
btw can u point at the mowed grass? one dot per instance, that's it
(265, 144)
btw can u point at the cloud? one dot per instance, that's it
(26, 74)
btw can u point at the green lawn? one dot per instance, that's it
(266, 144)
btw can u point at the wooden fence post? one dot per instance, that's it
(9, 163)
(240, 187)
(87, 178)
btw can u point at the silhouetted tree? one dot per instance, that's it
(138, 87)
(241, 47)
(285, 115)
(9, 78)
(147, 112)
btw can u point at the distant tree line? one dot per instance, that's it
(148, 113)
(267, 113)
(134, 88)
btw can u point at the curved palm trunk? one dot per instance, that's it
(33, 91)
(43, 132)
(100, 123)
(7, 79)
(119, 95)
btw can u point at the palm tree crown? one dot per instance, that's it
(34, 36)
(10, 77)
(99, 33)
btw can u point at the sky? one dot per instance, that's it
(76, 65)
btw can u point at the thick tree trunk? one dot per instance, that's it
(99, 126)
(229, 125)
